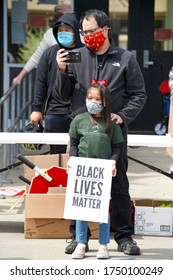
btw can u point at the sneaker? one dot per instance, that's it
(103, 252)
(129, 247)
(72, 246)
(79, 252)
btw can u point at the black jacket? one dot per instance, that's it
(125, 81)
(47, 71)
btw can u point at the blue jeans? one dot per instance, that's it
(82, 229)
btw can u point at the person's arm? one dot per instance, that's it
(115, 152)
(136, 93)
(41, 86)
(65, 81)
(65, 84)
(48, 41)
(40, 89)
(18, 79)
(73, 152)
(74, 142)
(114, 157)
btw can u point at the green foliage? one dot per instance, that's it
(33, 38)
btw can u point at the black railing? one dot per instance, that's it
(15, 110)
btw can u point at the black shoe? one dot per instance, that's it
(128, 246)
(72, 246)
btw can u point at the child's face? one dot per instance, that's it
(94, 95)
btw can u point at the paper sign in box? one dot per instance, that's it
(150, 219)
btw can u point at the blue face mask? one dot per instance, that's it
(93, 107)
(65, 38)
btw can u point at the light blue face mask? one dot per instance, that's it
(65, 38)
(93, 107)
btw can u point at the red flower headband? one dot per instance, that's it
(102, 82)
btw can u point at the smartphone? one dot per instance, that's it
(74, 56)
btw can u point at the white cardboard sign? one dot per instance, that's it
(88, 189)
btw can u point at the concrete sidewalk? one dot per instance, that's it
(144, 183)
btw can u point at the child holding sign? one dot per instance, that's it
(94, 135)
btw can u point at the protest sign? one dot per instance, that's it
(88, 189)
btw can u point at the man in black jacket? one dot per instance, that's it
(102, 59)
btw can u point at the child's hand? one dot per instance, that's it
(114, 169)
(68, 166)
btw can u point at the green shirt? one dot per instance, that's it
(93, 141)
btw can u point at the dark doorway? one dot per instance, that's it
(90, 4)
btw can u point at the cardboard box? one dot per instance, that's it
(151, 218)
(44, 212)
(44, 217)
(52, 228)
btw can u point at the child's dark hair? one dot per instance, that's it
(106, 102)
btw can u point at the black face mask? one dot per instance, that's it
(29, 127)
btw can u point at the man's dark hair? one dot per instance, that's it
(100, 17)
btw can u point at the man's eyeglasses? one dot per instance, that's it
(88, 32)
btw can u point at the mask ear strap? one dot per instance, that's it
(107, 28)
